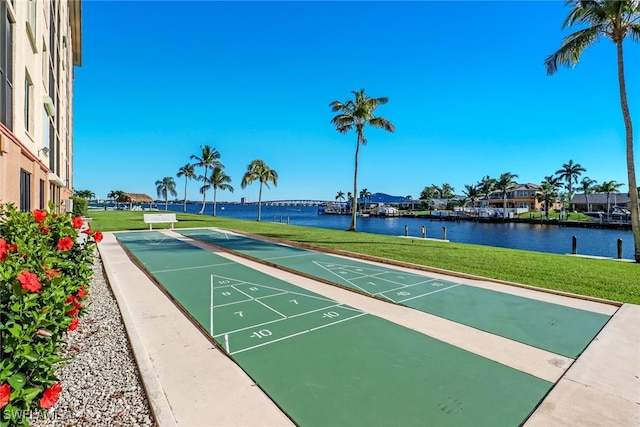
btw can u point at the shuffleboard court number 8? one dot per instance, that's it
(223, 282)
(262, 333)
(253, 288)
(226, 294)
(404, 293)
(330, 314)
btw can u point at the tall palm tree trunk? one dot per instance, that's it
(204, 193)
(504, 206)
(586, 197)
(166, 201)
(185, 195)
(260, 203)
(352, 226)
(215, 190)
(633, 193)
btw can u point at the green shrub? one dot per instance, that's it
(80, 206)
(44, 275)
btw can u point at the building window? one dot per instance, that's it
(28, 103)
(6, 67)
(45, 128)
(31, 24)
(42, 195)
(25, 190)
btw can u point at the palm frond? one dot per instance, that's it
(572, 47)
(584, 12)
(381, 122)
(634, 32)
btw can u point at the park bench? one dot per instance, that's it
(159, 219)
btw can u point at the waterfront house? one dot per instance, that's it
(598, 202)
(521, 198)
(40, 43)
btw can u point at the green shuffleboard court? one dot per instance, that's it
(325, 363)
(556, 328)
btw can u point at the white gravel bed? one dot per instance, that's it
(100, 385)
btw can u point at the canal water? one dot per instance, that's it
(532, 237)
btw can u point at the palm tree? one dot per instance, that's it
(165, 187)
(85, 194)
(548, 192)
(504, 184)
(364, 195)
(612, 19)
(358, 113)
(471, 193)
(115, 195)
(446, 191)
(219, 180)
(340, 195)
(608, 187)
(587, 185)
(189, 172)
(260, 171)
(208, 158)
(486, 186)
(570, 173)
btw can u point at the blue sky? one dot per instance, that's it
(468, 95)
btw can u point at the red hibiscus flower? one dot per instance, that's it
(77, 222)
(29, 281)
(5, 393)
(12, 248)
(3, 249)
(82, 292)
(88, 232)
(39, 215)
(65, 243)
(97, 237)
(44, 229)
(50, 396)
(74, 324)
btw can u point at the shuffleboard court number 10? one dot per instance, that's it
(262, 333)
(330, 314)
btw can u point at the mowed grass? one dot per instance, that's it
(608, 279)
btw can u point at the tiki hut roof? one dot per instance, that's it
(134, 198)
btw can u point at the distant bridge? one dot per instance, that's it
(291, 202)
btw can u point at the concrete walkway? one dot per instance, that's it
(191, 383)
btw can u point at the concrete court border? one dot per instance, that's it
(598, 379)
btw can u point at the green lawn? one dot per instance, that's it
(612, 280)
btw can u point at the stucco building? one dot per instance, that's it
(521, 196)
(40, 43)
